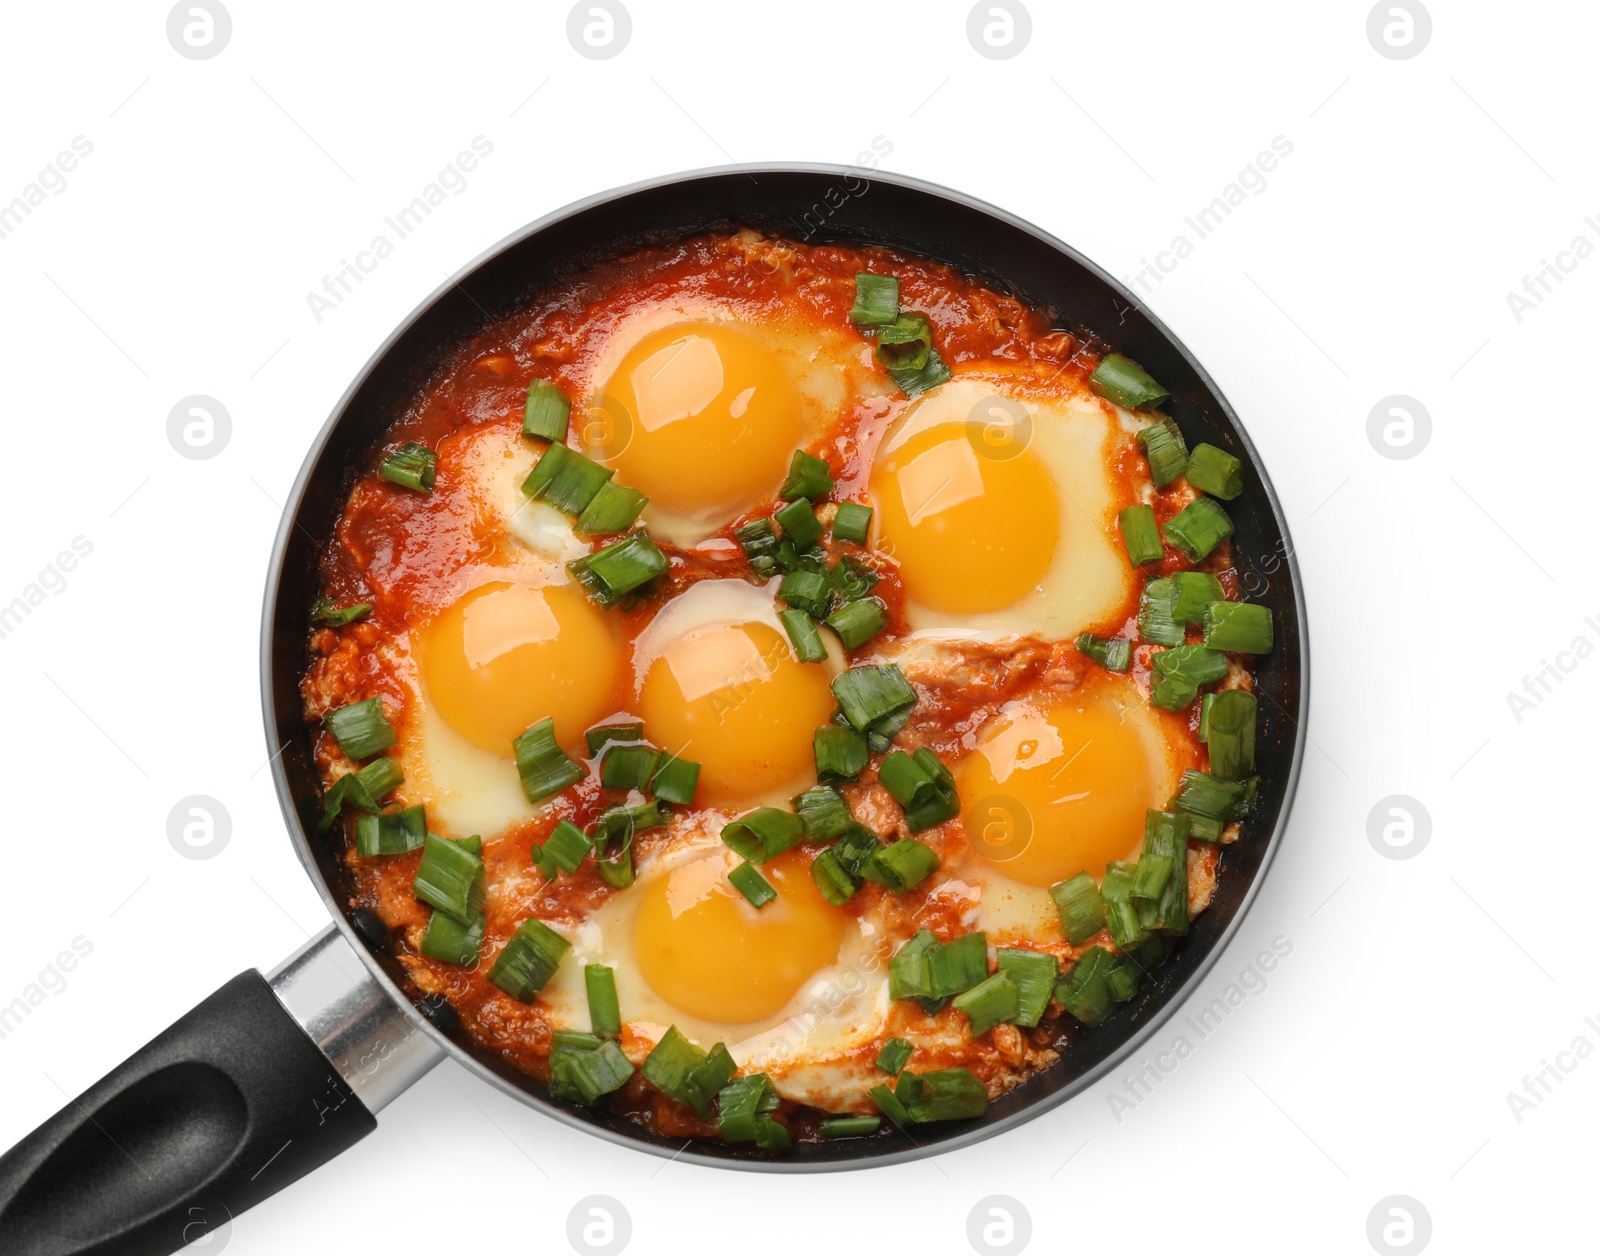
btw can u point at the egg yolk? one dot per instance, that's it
(970, 531)
(733, 698)
(1056, 791)
(705, 950)
(699, 416)
(508, 655)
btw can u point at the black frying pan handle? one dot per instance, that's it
(229, 1105)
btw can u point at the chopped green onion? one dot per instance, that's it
(528, 960)
(851, 522)
(1117, 884)
(452, 942)
(852, 578)
(803, 634)
(901, 865)
(1078, 904)
(675, 780)
(1202, 795)
(824, 813)
(1115, 654)
(808, 591)
(628, 767)
(892, 1107)
(1123, 979)
(763, 834)
(361, 729)
(614, 508)
(1176, 675)
(744, 1113)
(616, 870)
(1158, 620)
(1150, 876)
(947, 1095)
(894, 1056)
(1232, 734)
(1084, 991)
(546, 411)
(1034, 973)
(565, 478)
(542, 765)
(605, 1014)
(1164, 449)
(411, 466)
(392, 833)
(1198, 528)
(589, 1075)
(759, 540)
(708, 1077)
(621, 823)
(1122, 923)
(1242, 627)
(958, 965)
(362, 790)
(603, 735)
(858, 622)
(1140, 536)
(1166, 835)
(747, 879)
(881, 733)
(809, 476)
(575, 1040)
(799, 522)
(928, 377)
(849, 1126)
(991, 1002)
(869, 694)
(922, 785)
(451, 878)
(609, 574)
(906, 343)
(333, 802)
(1204, 828)
(325, 613)
(835, 882)
(669, 1065)
(1123, 382)
(567, 845)
(877, 300)
(1197, 590)
(840, 753)
(909, 973)
(1215, 471)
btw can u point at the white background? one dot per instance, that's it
(1377, 1058)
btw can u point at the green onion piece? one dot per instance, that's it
(991, 1002)
(840, 753)
(905, 344)
(759, 540)
(546, 865)
(362, 790)
(836, 883)
(852, 578)
(546, 411)
(566, 845)
(541, 764)
(1206, 699)
(528, 960)
(824, 813)
(1084, 991)
(1123, 382)
(901, 865)
(1176, 675)
(1123, 980)
(763, 834)
(609, 574)
(473, 844)
(567, 479)
(617, 870)
(1117, 884)
(325, 613)
(858, 622)
(1231, 735)
(1197, 590)
(392, 833)
(411, 466)
(1203, 795)
(1140, 536)
(1164, 450)
(1122, 923)
(360, 729)
(1198, 528)
(849, 1126)
(452, 942)
(600, 737)
(614, 508)
(808, 591)
(799, 522)
(958, 965)
(1242, 627)
(809, 476)
(855, 847)
(1078, 904)
(605, 1014)
(877, 300)
(669, 1065)
(744, 1113)
(803, 634)
(1115, 654)
(710, 1076)
(1150, 876)
(1166, 835)
(619, 824)
(947, 1095)
(628, 767)
(1215, 471)
(909, 974)
(852, 522)
(915, 382)
(675, 780)
(868, 694)
(922, 785)
(1158, 620)
(451, 878)
(589, 1075)
(894, 1056)
(575, 1040)
(1034, 973)
(333, 802)
(747, 879)
(881, 733)
(892, 1107)
(1204, 828)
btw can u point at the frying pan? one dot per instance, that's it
(273, 1075)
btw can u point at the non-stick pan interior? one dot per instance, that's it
(814, 204)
